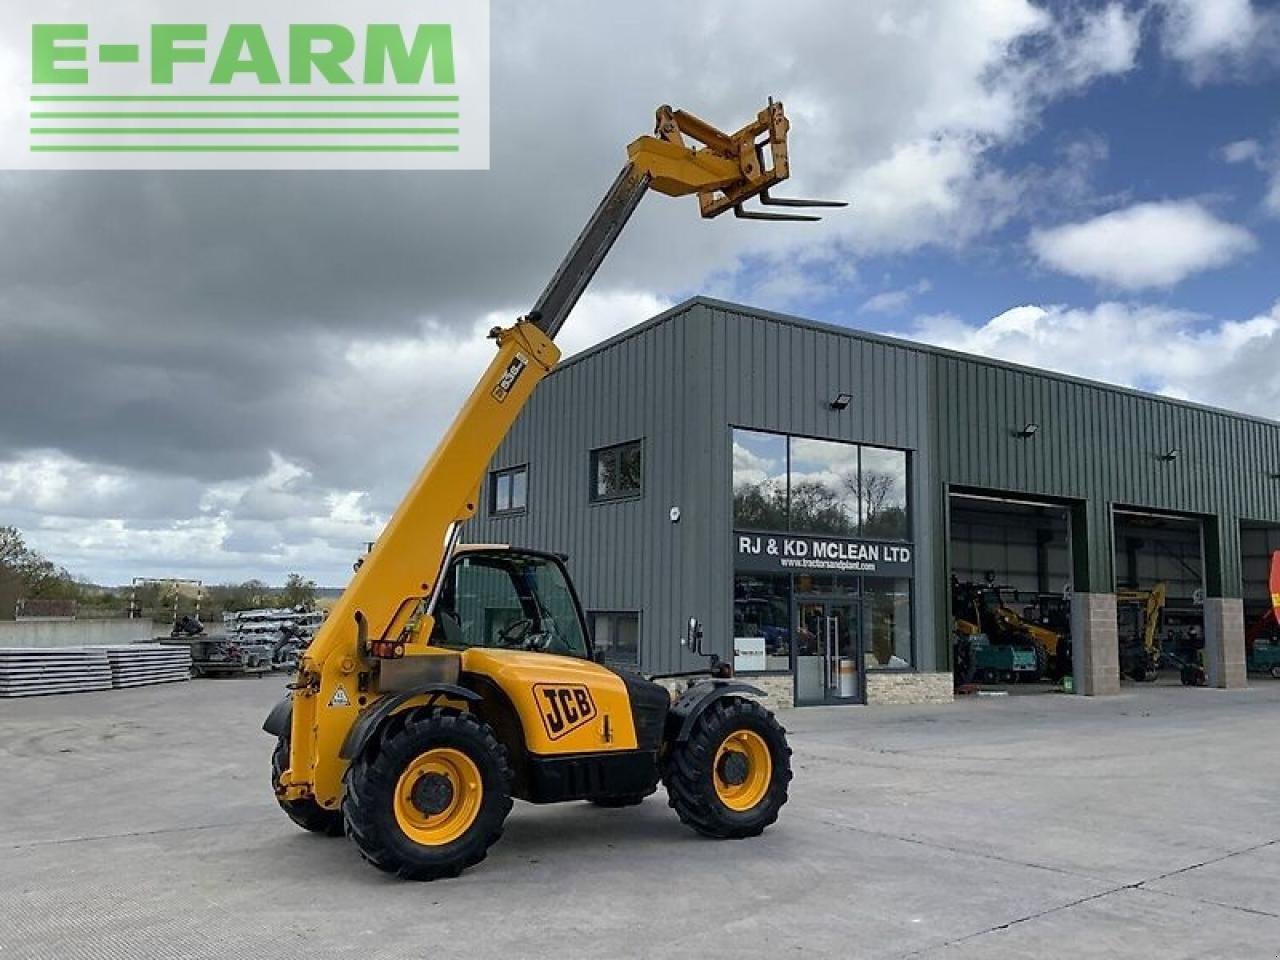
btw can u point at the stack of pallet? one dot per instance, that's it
(31, 672)
(139, 664)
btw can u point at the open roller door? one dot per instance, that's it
(1160, 590)
(1010, 565)
(1260, 568)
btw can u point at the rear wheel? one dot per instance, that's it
(432, 799)
(307, 814)
(729, 779)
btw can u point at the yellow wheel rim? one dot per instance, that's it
(438, 796)
(739, 790)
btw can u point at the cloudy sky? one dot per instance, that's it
(232, 376)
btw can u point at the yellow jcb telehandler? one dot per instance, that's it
(449, 679)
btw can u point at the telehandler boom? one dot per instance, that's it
(449, 679)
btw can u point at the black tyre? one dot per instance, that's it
(729, 779)
(307, 814)
(432, 798)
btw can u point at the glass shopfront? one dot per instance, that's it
(823, 563)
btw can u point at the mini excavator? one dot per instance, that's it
(450, 679)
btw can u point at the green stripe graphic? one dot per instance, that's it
(233, 131)
(242, 99)
(247, 115)
(244, 148)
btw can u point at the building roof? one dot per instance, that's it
(900, 343)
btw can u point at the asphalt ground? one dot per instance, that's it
(139, 823)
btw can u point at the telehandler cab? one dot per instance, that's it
(450, 678)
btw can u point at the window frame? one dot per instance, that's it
(593, 459)
(908, 476)
(614, 612)
(909, 453)
(916, 586)
(493, 559)
(494, 477)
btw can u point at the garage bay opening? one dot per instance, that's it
(1010, 594)
(1160, 591)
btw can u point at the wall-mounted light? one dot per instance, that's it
(1170, 455)
(1027, 432)
(841, 401)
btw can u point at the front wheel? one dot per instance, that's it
(306, 813)
(432, 799)
(729, 779)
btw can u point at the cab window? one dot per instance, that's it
(508, 602)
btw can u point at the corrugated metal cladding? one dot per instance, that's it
(681, 381)
(1107, 448)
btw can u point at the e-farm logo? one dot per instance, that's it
(388, 84)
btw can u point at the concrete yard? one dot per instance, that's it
(139, 823)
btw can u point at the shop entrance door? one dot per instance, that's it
(828, 652)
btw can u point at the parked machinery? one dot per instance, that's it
(1139, 631)
(993, 642)
(1143, 620)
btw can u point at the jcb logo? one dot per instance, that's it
(510, 376)
(564, 707)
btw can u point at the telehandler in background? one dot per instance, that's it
(449, 679)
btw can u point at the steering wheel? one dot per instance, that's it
(514, 633)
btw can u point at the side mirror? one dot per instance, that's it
(693, 635)
(597, 655)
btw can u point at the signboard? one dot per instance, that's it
(749, 654)
(806, 553)
(244, 85)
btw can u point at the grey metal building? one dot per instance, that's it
(800, 489)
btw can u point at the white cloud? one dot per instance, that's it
(891, 301)
(894, 301)
(752, 468)
(1216, 37)
(1145, 245)
(1264, 159)
(1177, 353)
(1242, 151)
(1101, 43)
(112, 525)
